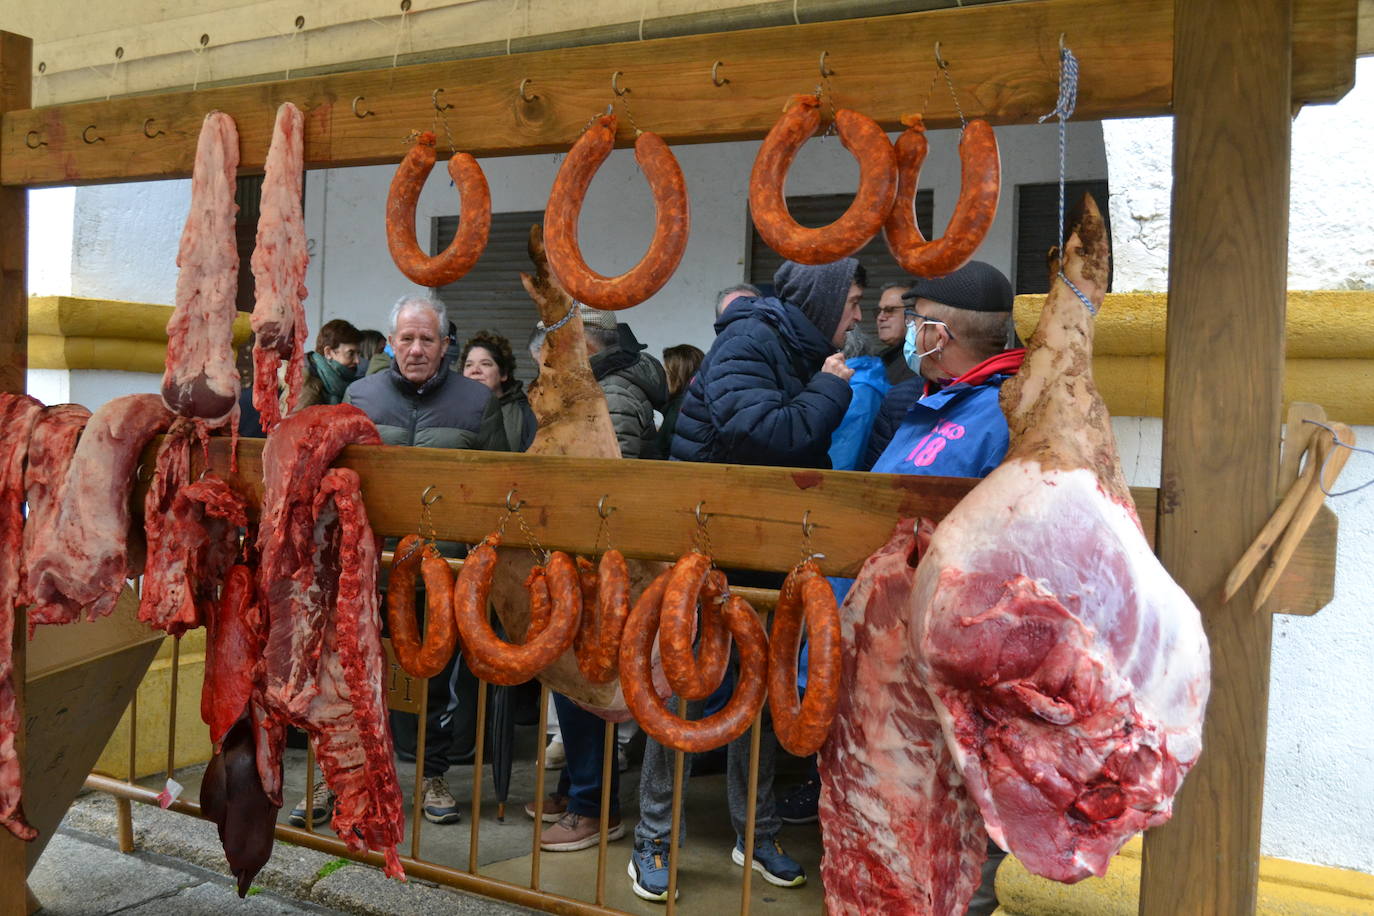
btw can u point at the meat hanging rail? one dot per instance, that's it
(1231, 73)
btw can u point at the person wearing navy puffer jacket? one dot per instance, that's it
(774, 386)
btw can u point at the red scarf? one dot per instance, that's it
(1007, 363)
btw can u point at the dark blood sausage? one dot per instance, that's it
(803, 727)
(235, 635)
(980, 184)
(605, 606)
(474, 227)
(488, 656)
(693, 582)
(860, 135)
(636, 676)
(427, 658)
(672, 220)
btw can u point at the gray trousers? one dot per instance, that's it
(656, 785)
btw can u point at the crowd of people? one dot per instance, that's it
(791, 379)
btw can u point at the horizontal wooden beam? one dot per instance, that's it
(755, 513)
(1003, 60)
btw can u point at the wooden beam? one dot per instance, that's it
(15, 66)
(1228, 256)
(1003, 59)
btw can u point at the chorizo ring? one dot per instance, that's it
(427, 658)
(605, 606)
(693, 582)
(488, 656)
(862, 136)
(802, 727)
(672, 220)
(474, 227)
(636, 678)
(980, 184)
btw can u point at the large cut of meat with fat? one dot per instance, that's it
(1069, 671)
(279, 264)
(324, 663)
(901, 834)
(18, 414)
(82, 559)
(202, 379)
(52, 445)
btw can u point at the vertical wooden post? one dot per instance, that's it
(1228, 257)
(16, 59)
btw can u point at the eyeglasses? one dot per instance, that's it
(888, 311)
(910, 314)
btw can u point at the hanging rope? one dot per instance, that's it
(1068, 99)
(1321, 472)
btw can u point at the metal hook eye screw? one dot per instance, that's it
(716, 78)
(405, 6)
(807, 527)
(300, 22)
(615, 84)
(940, 61)
(361, 114)
(526, 96)
(86, 135)
(825, 70)
(701, 517)
(1061, 41)
(151, 136)
(42, 66)
(434, 97)
(119, 53)
(424, 497)
(205, 40)
(33, 141)
(601, 509)
(518, 503)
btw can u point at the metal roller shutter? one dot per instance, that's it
(490, 297)
(1037, 224)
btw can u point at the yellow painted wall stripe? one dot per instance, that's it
(70, 332)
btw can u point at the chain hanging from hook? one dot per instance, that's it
(825, 91)
(427, 529)
(603, 529)
(622, 97)
(440, 117)
(808, 526)
(701, 538)
(541, 555)
(942, 69)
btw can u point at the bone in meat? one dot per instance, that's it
(279, 263)
(1069, 671)
(202, 380)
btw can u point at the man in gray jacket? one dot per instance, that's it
(635, 384)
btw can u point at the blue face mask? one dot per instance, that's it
(909, 351)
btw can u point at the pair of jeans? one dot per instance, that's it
(584, 737)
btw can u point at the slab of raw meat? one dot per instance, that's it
(279, 263)
(52, 445)
(18, 414)
(901, 834)
(82, 560)
(202, 379)
(1070, 672)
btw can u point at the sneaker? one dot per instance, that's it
(555, 758)
(776, 866)
(575, 831)
(440, 806)
(322, 808)
(648, 871)
(554, 807)
(799, 804)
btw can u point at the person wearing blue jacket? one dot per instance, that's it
(772, 390)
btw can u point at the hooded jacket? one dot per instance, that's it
(517, 418)
(448, 411)
(759, 396)
(635, 385)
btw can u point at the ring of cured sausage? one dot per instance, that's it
(420, 658)
(636, 676)
(473, 228)
(802, 726)
(980, 184)
(672, 219)
(870, 208)
(693, 582)
(555, 609)
(605, 606)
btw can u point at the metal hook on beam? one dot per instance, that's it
(716, 79)
(361, 114)
(424, 497)
(826, 72)
(601, 509)
(615, 84)
(526, 96)
(150, 135)
(434, 97)
(518, 502)
(33, 140)
(86, 135)
(940, 61)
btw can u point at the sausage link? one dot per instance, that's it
(802, 727)
(427, 658)
(980, 184)
(862, 136)
(636, 676)
(694, 678)
(672, 219)
(473, 229)
(492, 658)
(584, 643)
(541, 603)
(605, 605)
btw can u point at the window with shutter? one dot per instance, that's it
(491, 297)
(1037, 224)
(822, 209)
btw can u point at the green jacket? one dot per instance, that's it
(635, 384)
(448, 411)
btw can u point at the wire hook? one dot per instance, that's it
(152, 136)
(424, 497)
(716, 78)
(361, 114)
(31, 137)
(86, 135)
(434, 97)
(940, 61)
(615, 84)
(702, 518)
(601, 509)
(1061, 41)
(525, 96)
(518, 503)
(826, 72)
(807, 526)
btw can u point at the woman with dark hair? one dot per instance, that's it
(370, 343)
(487, 358)
(681, 363)
(331, 366)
